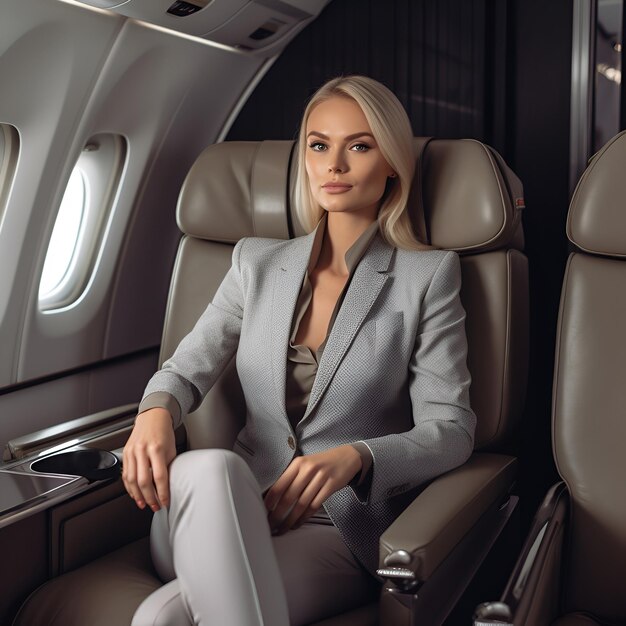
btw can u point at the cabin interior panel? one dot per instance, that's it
(98, 73)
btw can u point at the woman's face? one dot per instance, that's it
(346, 169)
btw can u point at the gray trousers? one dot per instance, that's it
(221, 565)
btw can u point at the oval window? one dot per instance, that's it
(65, 236)
(9, 148)
(81, 222)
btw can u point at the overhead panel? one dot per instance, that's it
(243, 24)
(258, 24)
(207, 17)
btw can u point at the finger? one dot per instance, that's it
(130, 479)
(284, 507)
(326, 490)
(144, 482)
(323, 494)
(127, 488)
(277, 490)
(292, 496)
(303, 508)
(280, 512)
(160, 477)
(289, 498)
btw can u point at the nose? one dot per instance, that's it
(337, 163)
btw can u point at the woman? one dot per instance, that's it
(351, 352)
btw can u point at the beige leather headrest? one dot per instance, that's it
(596, 221)
(235, 189)
(472, 200)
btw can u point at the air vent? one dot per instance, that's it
(269, 29)
(180, 8)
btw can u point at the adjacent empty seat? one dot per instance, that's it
(472, 203)
(572, 571)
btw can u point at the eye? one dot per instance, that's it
(360, 147)
(317, 146)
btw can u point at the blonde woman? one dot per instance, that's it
(351, 352)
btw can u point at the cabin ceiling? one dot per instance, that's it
(262, 26)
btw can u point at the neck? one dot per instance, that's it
(342, 230)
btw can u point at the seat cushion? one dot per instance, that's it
(575, 619)
(105, 592)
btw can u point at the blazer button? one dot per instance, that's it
(291, 442)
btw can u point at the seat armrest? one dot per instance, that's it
(532, 592)
(438, 519)
(90, 425)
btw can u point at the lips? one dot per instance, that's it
(336, 187)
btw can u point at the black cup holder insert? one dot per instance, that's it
(91, 463)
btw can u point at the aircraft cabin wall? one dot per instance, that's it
(69, 74)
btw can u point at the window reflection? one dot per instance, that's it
(608, 71)
(64, 236)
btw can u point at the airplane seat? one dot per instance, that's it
(471, 203)
(572, 568)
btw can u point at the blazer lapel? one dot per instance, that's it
(365, 287)
(289, 274)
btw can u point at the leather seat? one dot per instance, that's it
(472, 203)
(573, 566)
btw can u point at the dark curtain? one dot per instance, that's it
(444, 59)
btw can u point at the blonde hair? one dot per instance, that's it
(392, 131)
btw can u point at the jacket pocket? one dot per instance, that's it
(244, 447)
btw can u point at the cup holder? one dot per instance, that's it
(91, 463)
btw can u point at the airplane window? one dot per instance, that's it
(65, 236)
(80, 225)
(9, 146)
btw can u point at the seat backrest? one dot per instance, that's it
(472, 204)
(589, 392)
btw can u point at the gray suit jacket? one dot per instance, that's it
(393, 373)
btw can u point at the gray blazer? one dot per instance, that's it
(393, 373)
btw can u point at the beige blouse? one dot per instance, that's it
(302, 362)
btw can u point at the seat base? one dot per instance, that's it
(104, 592)
(84, 596)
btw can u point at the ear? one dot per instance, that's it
(393, 175)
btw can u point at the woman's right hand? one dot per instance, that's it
(147, 454)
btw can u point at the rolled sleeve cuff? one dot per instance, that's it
(162, 400)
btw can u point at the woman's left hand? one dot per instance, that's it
(306, 483)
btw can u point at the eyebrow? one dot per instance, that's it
(348, 138)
